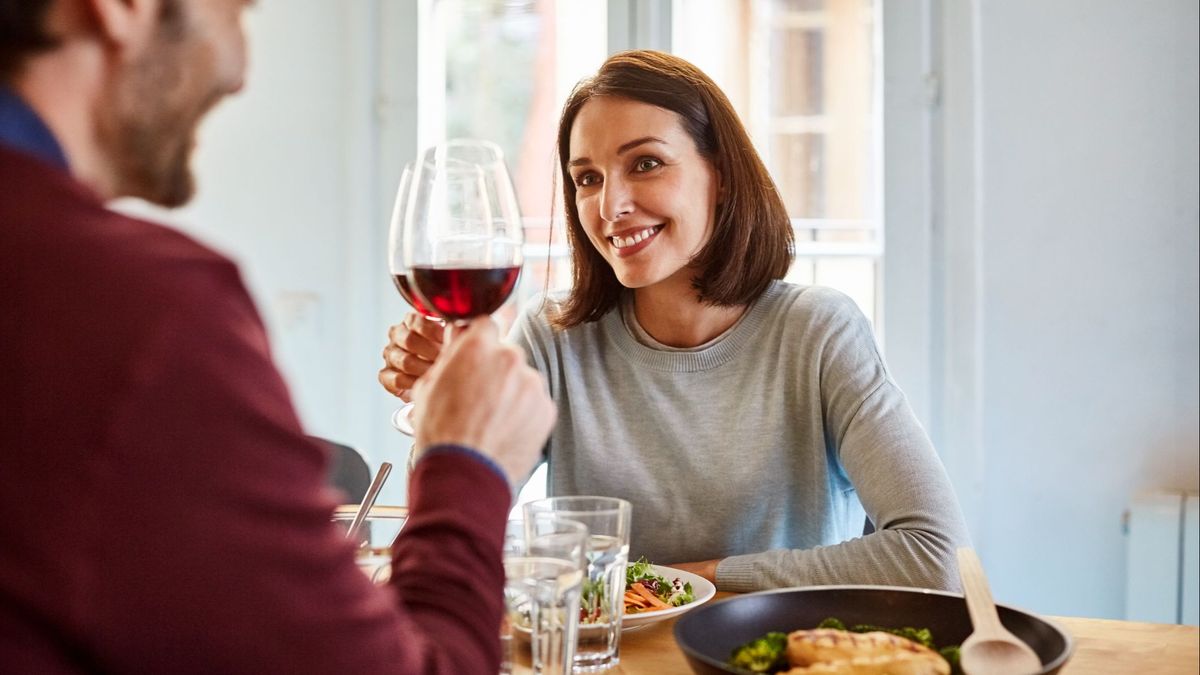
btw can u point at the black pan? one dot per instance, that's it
(709, 634)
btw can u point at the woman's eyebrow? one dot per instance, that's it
(625, 147)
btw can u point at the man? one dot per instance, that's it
(161, 509)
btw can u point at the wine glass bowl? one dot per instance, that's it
(462, 234)
(396, 266)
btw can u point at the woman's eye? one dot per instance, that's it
(647, 163)
(586, 180)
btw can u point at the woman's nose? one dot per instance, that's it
(616, 201)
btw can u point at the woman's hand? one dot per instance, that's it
(706, 569)
(413, 346)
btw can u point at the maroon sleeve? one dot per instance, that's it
(208, 546)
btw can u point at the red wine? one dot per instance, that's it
(411, 298)
(464, 292)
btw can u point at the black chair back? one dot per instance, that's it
(348, 470)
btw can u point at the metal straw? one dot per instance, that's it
(369, 500)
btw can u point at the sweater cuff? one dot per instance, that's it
(451, 449)
(736, 574)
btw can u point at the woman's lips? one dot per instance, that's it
(631, 242)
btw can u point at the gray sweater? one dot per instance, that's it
(761, 448)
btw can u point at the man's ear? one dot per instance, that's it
(126, 24)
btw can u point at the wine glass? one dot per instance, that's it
(396, 266)
(461, 236)
(399, 271)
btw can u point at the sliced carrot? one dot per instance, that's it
(650, 597)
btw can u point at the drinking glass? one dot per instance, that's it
(543, 571)
(602, 599)
(374, 538)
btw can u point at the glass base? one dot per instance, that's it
(402, 419)
(595, 666)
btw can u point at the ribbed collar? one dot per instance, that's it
(692, 361)
(22, 129)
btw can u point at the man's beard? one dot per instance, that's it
(148, 121)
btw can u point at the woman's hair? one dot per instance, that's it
(752, 239)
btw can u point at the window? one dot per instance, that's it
(502, 74)
(802, 76)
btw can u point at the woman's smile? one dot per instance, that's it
(629, 242)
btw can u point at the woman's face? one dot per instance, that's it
(645, 195)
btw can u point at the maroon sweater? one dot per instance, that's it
(160, 507)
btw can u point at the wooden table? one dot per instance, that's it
(1101, 646)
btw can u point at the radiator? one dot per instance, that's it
(1162, 574)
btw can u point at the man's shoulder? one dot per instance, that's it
(72, 255)
(54, 227)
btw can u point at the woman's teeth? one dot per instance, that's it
(636, 237)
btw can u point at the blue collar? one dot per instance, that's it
(22, 129)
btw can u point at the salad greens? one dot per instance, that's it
(674, 593)
(667, 593)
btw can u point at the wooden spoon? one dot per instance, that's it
(991, 649)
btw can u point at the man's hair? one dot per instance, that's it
(752, 242)
(22, 33)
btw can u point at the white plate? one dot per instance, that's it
(702, 589)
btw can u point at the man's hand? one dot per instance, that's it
(481, 394)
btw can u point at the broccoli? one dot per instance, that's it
(766, 654)
(951, 655)
(832, 623)
(921, 636)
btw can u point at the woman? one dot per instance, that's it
(748, 420)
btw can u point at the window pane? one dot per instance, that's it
(507, 73)
(801, 74)
(800, 55)
(798, 170)
(508, 65)
(491, 67)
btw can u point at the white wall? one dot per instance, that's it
(1059, 358)
(296, 177)
(1090, 284)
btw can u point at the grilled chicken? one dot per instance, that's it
(827, 651)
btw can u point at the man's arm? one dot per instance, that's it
(212, 540)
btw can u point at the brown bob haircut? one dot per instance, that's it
(752, 241)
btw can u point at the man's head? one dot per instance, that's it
(163, 64)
